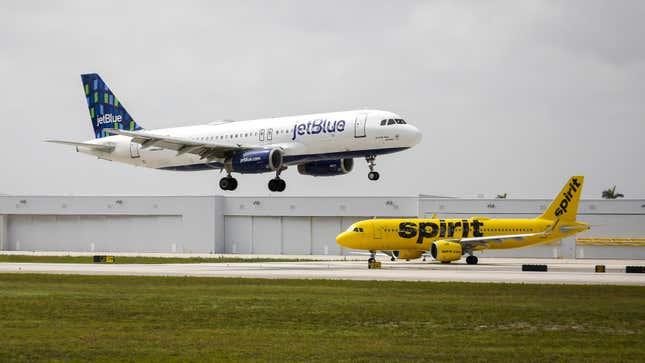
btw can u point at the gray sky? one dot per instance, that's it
(511, 96)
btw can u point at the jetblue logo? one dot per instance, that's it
(567, 196)
(317, 127)
(249, 159)
(108, 118)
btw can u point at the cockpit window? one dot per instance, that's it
(357, 229)
(400, 121)
(383, 122)
(391, 122)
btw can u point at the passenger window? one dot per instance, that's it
(391, 122)
(383, 122)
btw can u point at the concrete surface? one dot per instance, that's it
(489, 270)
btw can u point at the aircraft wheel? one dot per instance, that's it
(281, 185)
(373, 175)
(272, 185)
(228, 183)
(392, 259)
(471, 260)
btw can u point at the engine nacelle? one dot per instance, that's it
(256, 161)
(326, 167)
(445, 251)
(408, 254)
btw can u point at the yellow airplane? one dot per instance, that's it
(448, 240)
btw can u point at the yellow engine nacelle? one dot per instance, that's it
(408, 254)
(446, 251)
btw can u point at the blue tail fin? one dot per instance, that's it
(106, 111)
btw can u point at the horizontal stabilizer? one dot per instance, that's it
(105, 148)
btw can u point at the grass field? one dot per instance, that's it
(132, 259)
(92, 318)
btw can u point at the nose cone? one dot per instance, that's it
(344, 239)
(415, 135)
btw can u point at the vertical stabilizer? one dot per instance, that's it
(106, 111)
(565, 204)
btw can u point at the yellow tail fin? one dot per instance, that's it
(565, 204)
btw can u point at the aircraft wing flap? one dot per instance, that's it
(470, 242)
(182, 145)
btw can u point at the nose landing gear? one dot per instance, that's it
(372, 175)
(472, 260)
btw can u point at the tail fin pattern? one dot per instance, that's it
(106, 111)
(565, 204)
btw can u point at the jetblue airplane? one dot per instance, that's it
(319, 145)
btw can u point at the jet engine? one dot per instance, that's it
(445, 251)
(256, 161)
(326, 167)
(408, 254)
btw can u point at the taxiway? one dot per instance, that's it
(489, 270)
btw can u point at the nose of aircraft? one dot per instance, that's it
(415, 135)
(343, 239)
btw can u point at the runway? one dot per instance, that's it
(489, 270)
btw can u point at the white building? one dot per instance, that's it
(281, 225)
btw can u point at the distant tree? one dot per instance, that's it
(611, 193)
(502, 196)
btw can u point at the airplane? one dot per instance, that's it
(448, 239)
(318, 144)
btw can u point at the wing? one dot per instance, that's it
(205, 149)
(106, 148)
(470, 242)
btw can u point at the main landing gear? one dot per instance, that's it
(228, 183)
(471, 260)
(276, 184)
(372, 175)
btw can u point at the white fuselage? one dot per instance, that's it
(301, 138)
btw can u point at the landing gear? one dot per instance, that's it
(228, 183)
(471, 260)
(372, 175)
(372, 259)
(277, 185)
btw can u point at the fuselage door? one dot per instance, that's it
(378, 231)
(269, 134)
(134, 150)
(262, 135)
(359, 125)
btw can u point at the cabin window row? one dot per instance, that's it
(261, 133)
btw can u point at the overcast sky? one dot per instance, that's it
(511, 96)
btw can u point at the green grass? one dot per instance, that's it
(128, 259)
(99, 318)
